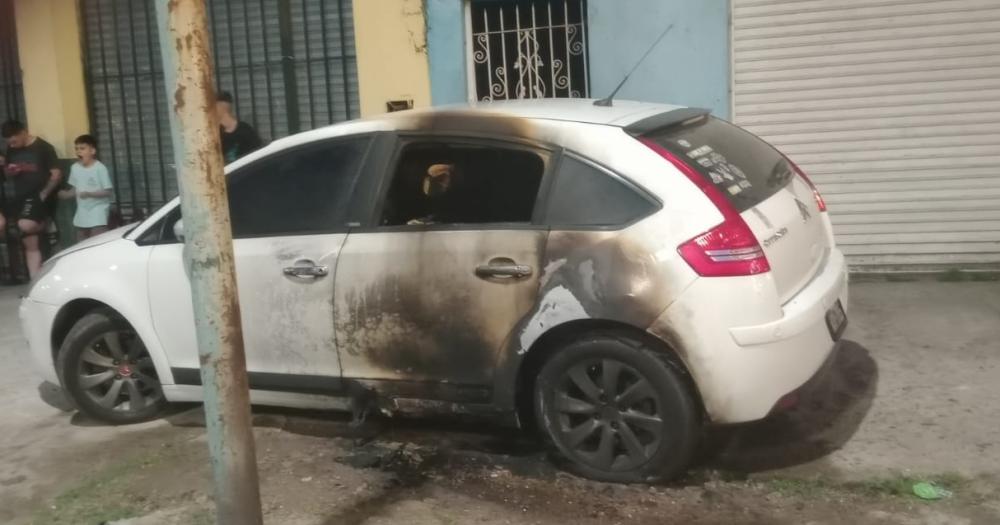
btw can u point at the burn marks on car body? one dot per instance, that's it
(424, 315)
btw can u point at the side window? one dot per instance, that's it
(448, 183)
(302, 191)
(583, 195)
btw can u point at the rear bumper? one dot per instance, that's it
(801, 313)
(36, 324)
(743, 355)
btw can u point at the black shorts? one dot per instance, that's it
(31, 208)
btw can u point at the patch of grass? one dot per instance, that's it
(801, 487)
(892, 486)
(203, 517)
(953, 276)
(957, 276)
(104, 495)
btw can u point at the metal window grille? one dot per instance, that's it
(529, 49)
(11, 94)
(289, 64)
(11, 90)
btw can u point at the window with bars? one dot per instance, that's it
(529, 49)
(289, 64)
(11, 90)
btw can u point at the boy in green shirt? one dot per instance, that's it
(91, 185)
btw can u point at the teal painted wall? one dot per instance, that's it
(446, 51)
(690, 67)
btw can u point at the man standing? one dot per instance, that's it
(31, 164)
(238, 137)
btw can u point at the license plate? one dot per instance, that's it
(836, 320)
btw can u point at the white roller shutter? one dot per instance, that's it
(893, 108)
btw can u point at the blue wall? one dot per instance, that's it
(446, 51)
(690, 67)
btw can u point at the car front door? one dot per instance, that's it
(429, 291)
(290, 215)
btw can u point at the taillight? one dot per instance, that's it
(729, 249)
(820, 203)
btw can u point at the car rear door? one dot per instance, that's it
(429, 291)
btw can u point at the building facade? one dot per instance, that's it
(890, 106)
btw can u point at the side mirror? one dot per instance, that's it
(179, 229)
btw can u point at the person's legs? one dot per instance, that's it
(82, 233)
(32, 223)
(97, 230)
(3, 227)
(30, 231)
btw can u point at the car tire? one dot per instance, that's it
(647, 431)
(105, 367)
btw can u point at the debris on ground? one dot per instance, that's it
(929, 491)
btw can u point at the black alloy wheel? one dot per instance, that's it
(616, 411)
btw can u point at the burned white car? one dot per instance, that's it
(614, 278)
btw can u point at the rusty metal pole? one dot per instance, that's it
(208, 257)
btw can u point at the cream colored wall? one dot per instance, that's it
(48, 40)
(392, 53)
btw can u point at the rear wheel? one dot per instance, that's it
(106, 368)
(616, 410)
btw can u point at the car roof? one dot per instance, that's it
(620, 113)
(476, 115)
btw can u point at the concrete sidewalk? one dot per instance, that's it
(917, 389)
(937, 404)
(914, 392)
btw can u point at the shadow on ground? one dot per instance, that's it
(828, 415)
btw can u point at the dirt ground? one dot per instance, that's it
(912, 395)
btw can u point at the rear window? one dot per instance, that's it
(744, 168)
(582, 195)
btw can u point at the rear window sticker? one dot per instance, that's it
(700, 152)
(737, 171)
(724, 171)
(705, 162)
(717, 158)
(734, 189)
(716, 178)
(745, 184)
(684, 143)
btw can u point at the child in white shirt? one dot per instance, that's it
(91, 185)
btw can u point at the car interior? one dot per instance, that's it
(438, 183)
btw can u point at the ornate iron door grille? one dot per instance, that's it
(529, 49)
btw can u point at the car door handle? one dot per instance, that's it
(306, 270)
(504, 270)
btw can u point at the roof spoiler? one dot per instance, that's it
(664, 120)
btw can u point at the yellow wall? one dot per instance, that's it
(48, 40)
(392, 53)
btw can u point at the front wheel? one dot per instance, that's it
(107, 370)
(616, 410)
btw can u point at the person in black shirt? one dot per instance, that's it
(30, 168)
(238, 137)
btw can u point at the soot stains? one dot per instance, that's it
(420, 331)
